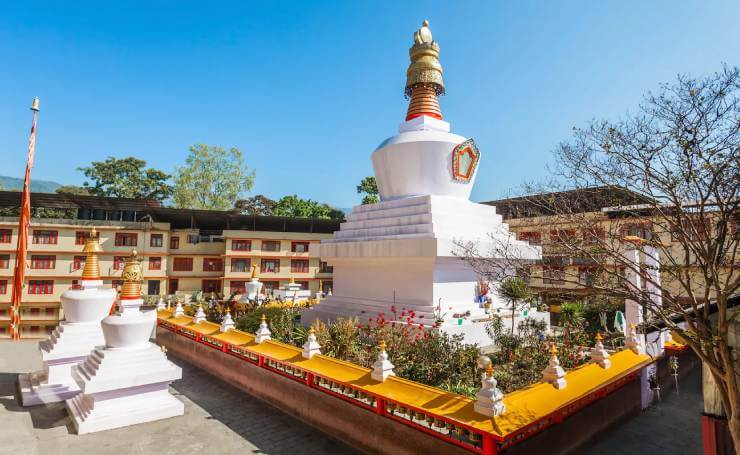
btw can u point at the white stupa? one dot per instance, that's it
(126, 381)
(401, 251)
(74, 337)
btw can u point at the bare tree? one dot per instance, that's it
(679, 158)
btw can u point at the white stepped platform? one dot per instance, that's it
(403, 252)
(67, 346)
(122, 387)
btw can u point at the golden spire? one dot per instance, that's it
(489, 370)
(424, 76)
(264, 318)
(132, 277)
(254, 271)
(553, 350)
(292, 280)
(599, 337)
(91, 271)
(382, 346)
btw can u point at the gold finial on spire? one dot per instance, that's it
(264, 318)
(35, 104)
(489, 370)
(553, 350)
(599, 337)
(311, 331)
(382, 346)
(292, 280)
(91, 271)
(132, 277)
(424, 76)
(254, 271)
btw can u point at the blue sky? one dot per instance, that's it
(307, 90)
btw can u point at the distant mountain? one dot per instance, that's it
(39, 186)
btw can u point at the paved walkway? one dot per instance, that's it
(672, 426)
(219, 419)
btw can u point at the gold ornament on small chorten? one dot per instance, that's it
(91, 271)
(489, 370)
(255, 274)
(132, 277)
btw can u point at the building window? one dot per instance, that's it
(553, 275)
(119, 262)
(692, 230)
(533, 237)
(80, 237)
(327, 286)
(299, 247)
(174, 243)
(209, 286)
(155, 263)
(238, 287)
(78, 262)
(299, 266)
(641, 230)
(45, 237)
(270, 287)
(3, 286)
(4, 261)
(50, 312)
(35, 311)
(213, 264)
(270, 266)
(241, 245)
(325, 268)
(270, 245)
(566, 236)
(41, 286)
(156, 240)
(241, 265)
(304, 285)
(193, 238)
(43, 261)
(594, 235)
(587, 276)
(182, 264)
(126, 239)
(173, 285)
(5, 235)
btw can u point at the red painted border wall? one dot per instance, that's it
(364, 430)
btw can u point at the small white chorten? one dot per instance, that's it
(554, 373)
(125, 382)
(382, 368)
(599, 354)
(161, 306)
(311, 347)
(263, 333)
(179, 310)
(200, 315)
(254, 287)
(489, 400)
(74, 337)
(227, 323)
(633, 341)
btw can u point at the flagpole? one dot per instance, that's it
(24, 219)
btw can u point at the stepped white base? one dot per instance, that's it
(122, 387)
(67, 346)
(126, 411)
(36, 390)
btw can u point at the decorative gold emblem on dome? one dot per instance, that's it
(465, 158)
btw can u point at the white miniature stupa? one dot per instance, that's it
(402, 250)
(254, 287)
(74, 337)
(126, 382)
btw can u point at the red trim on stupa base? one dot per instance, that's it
(129, 298)
(413, 116)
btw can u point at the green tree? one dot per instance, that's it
(73, 190)
(126, 177)
(212, 178)
(305, 208)
(369, 187)
(256, 205)
(515, 290)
